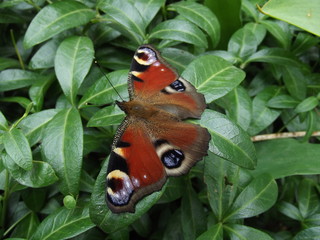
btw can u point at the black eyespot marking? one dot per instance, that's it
(135, 66)
(178, 86)
(172, 158)
(122, 144)
(164, 91)
(134, 78)
(159, 142)
(117, 162)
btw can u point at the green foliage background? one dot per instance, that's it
(57, 117)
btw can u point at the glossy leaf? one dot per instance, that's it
(295, 82)
(40, 175)
(290, 211)
(309, 233)
(280, 31)
(44, 57)
(148, 8)
(177, 58)
(285, 158)
(303, 14)
(3, 122)
(213, 76)
(275, 56)
(256, 198)
(63, 224)
(111, 115)
(201, 16)
(14, 79)
(18, 148)
(307, 104)
(225, 135)
(214, 232)
(238, 106)
(307, 198)
(192, 215)
(33, 125)
(8, 63)
(282, 101)
(262, 115)
(179, 30)
(242, 232)
(55, 18)
(104, 218)
(101, 92)
(125, 18)
(72, 63)
(62, 147)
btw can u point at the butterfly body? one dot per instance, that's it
(153, 142)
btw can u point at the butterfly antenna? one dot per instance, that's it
(95, 61)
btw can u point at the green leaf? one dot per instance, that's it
(242, 232)
(108, 116)
(307, 198)
(308, 234)
(295, 81)
(177, 58)
(307, 104)
(102, 92)
(213, 76)
(228, 140)
(33, 125)
(282, 157)
(40, 175)
(34, 198)
(63, 224)
(18, 148)
(179, 30)
(274, 56)
(256, 198)
(223, 180)
(303, 14)
(14, 79)
(26, 227)
(104, 218)
(55, 18)
(148, 8)
(22, 101)
(9, 16)
(62, 147)
(312, 121)
(8, 63)
(280, 31)
(192, 214)
(3, 122)
(214, 232)
(263, 116)
(290, 211)
(201, 16)
(238, 106)
(303, 42)
(282, 101)
(44, 57)
(125, 18)
(72, 63)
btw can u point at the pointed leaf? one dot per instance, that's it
(242, 232)
(18, 148)
(308, 234)
(256, 198)
(201, 16)
(40, 175)
(282, 101)
(102, 92)
(55, 18)
(64, 224)
(307, 104)
(125, 18)
(72, 63)
(14, 79)
(8, 63)
(214, 232)
(290, 211)
(180, 30)
(148, 8)
(108, 116)
(213, 76)
(62, 147)
(3, 122)
(295, 81)
(307, 198)
(280, 31)
(228, 140)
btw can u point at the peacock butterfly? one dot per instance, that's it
(153, 142)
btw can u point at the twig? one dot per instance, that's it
(264, 137)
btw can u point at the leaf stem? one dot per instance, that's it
(28, 109)
(16, 49)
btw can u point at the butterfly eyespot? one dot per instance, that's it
(172, 158)
(145, 56)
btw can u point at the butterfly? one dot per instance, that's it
(153, 143)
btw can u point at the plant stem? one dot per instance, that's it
(16, 49)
